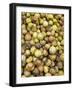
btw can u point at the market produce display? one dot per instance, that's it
(42, 44)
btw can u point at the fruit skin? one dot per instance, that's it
(51, 38)
(45, 23)
(32, 50)
(47, 46)
(36, 72)
(35, 34)
(49, 16)
(62, 57)
(38, 53)
(60, 65)
(29, 59)
(28, 20)
(54, 27)
(45, 52)
(30, 67)
(27, 53)
(30, 25)
(27, 37)
(52, 50)
(60, 72)
(48, 74)
(41, 68)
(27, 73)
(52, 71)
(45, 69)
(40, 36)
(52, 57)
(50, 22)
(48, 62)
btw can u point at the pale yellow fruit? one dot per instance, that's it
(29, 59)
(27, 73)
(52, 50)
(32, 50)
(34, 59)
(35, 34)
(54, 43)
(27, 52)
(34, 27)
(45, 23)
(60, 65)
(56, 34)
(52, 57)
(62, 42)
(52, 71)
(38, 53)
(48, 63)
(49, 16)
(23, 57)
(28, 14)
(59, 38)
(45, 69)
(40, 36)
(40, 68)
(48, 33)
(28, 37)
(62, 57)
(41, 21)
(48, 74)
(36, 40)
(58, 43)
(28, 20)
(51, 38)
(60, 72)
(52, 32)
(43, 42)
(37, 62)
(24, 31)
(30, 25)
(44, 34)
(54, 20)
(23, 26)
(22, 41)
(47, 46)
(50, 22)
(54, 27)
(37, 15)
(30, 67)
(45, 52)
(32, 42)
(38, 31)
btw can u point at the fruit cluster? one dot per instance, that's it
(42, 44)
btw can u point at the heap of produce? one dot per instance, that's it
(42, 44)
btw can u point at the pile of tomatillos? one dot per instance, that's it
(42, 44)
